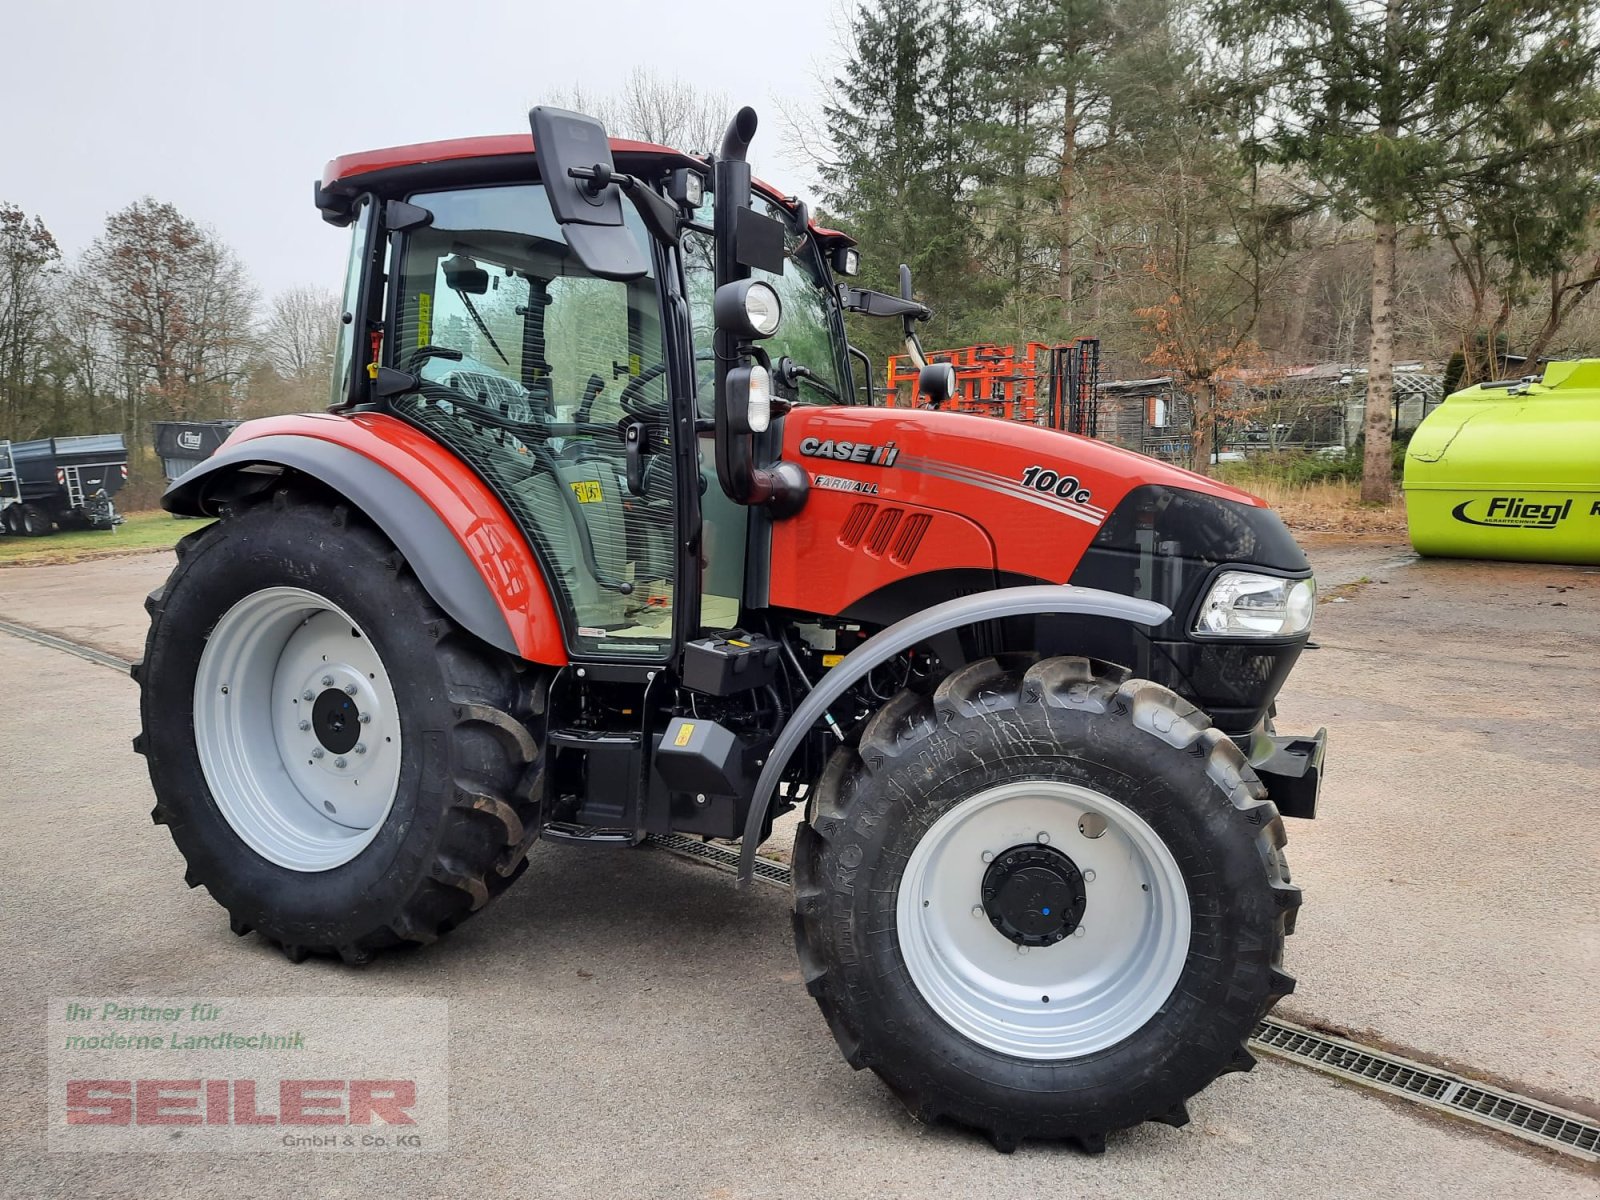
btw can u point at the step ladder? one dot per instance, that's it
(69, 478)
(10, 485)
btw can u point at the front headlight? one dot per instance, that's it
(1244, 604)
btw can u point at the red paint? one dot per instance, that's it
(464, 503)
(347, 167)
(968, 472)
(364, 162)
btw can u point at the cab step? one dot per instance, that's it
(590, 835)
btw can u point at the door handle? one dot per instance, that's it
(636, 442)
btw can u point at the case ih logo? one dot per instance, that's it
(1514, 512)
(855, 452)
(189, 440)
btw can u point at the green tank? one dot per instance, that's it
(1511, 471)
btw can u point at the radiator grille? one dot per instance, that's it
(882, 530)
(855, 525)
(910, 537)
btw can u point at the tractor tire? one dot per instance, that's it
(10, 516)
(1047, 901)
(35, 521)
(354, 775)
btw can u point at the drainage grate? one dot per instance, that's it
(719, 856)
(89, 653)
(1432, 1088)
(1439, 1090)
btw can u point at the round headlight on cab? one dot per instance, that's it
(747, 307)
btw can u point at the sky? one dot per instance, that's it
(228, 109)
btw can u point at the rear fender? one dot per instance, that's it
(922, 627)
(453, 531)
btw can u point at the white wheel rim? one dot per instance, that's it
(1079, 995)
(297, 729)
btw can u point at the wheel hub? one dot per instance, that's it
(1033, 895)
(336, 721)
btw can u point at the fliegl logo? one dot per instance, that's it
(1514, 512)
(854, 452)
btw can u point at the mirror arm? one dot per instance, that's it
(660, 215)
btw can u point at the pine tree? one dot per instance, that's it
(1396, 107)
(901, 167)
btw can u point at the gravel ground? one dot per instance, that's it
(629, 1024)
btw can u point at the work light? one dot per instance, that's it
(747, 307)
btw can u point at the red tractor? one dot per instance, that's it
(593, 545)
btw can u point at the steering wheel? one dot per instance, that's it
(414, 359)
(632, 399)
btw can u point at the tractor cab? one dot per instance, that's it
(574, 365)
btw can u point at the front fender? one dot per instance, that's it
(920, 627)
(453, 531)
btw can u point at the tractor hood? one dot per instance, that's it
(1026, 502)
(906, 508)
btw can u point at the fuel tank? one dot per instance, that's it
(898, 494)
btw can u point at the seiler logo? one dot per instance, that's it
(234, 1102)
(189, 440)
(1515, 512)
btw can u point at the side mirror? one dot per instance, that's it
(462, 274)
(937, 381)
(574, 159)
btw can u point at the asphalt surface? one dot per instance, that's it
(627, 1023)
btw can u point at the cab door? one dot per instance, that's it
(534, 372)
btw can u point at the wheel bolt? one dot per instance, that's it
(308, 694)
(1088, 876)
(340, 762)
(1078, 932)
(988, 856)
(317, 753)
(977, 910)
(349, 689)
(305, 726)
(366, 718)
(327, 681)
(1043, 839)
(361, 747)
(1022, 949)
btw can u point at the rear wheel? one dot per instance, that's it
(10, 518)
(354, 775)
(1047, 901)
(35, 521)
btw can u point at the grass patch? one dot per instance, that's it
(1332, 506)
(141, 532)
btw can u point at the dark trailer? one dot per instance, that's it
(184, 445)
(65, 482)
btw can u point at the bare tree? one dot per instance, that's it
(656, 108)
(300, 333)
(28, 258)
(178, 305)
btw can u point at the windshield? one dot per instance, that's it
(807, 331)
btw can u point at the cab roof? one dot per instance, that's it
(350, 173)
(346, 167)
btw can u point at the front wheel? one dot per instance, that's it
(1047, 901)
(339, 764)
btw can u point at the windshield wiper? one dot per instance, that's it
(472, 309)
